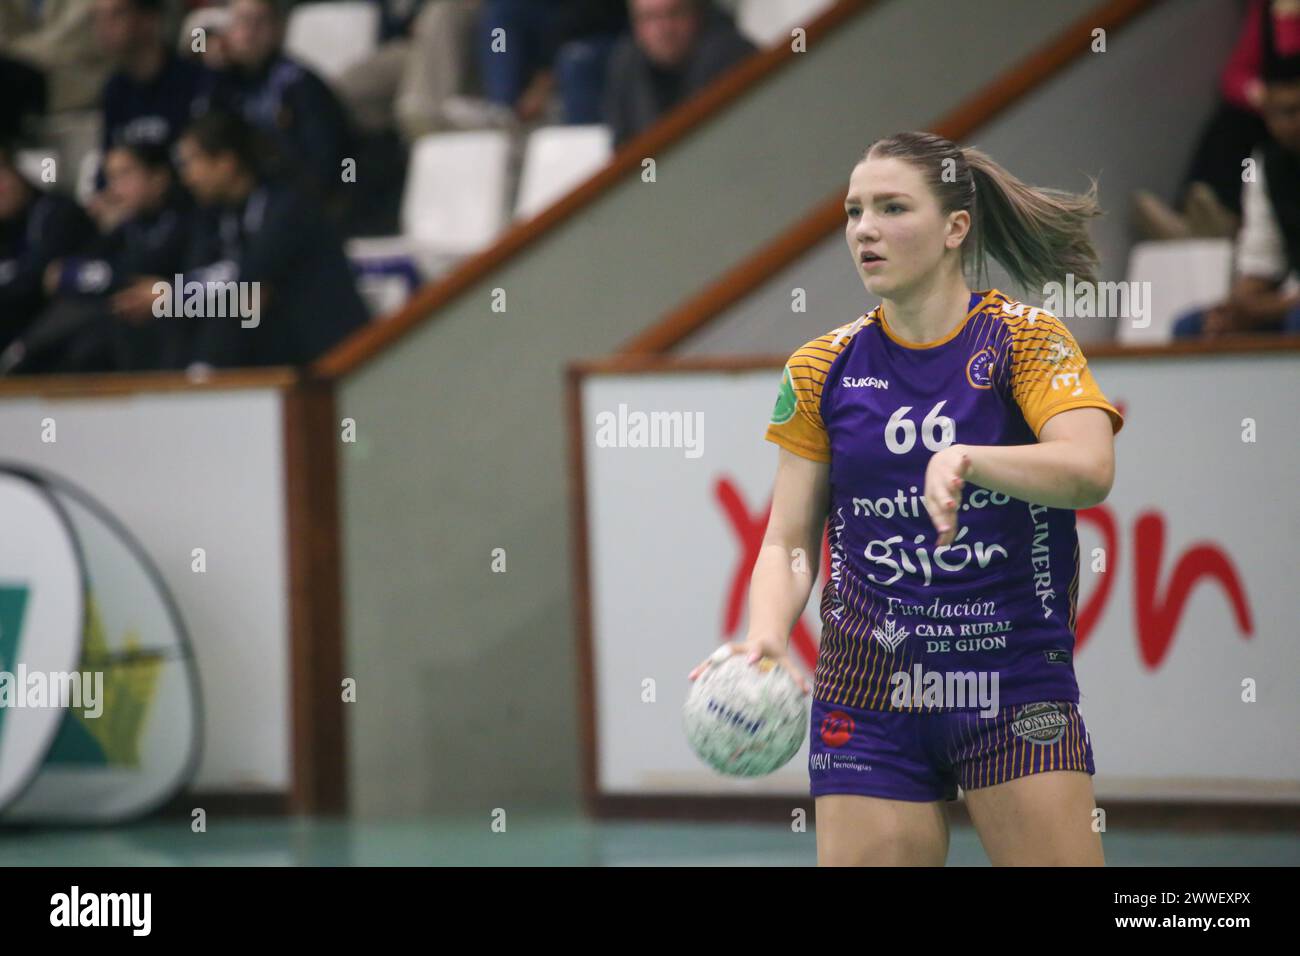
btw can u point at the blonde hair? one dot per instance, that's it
(1037, 234)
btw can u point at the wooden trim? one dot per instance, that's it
(1126, 814)
(587, 729)
(828, 216)
(746, 76)
(318, 782)
(106, 385)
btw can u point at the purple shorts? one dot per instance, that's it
(926, 756)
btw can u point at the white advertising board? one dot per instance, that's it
(184, 470)
(1195, 612)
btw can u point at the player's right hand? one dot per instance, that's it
(754, 648)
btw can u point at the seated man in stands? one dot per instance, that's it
(152, 93)
(36, 227)
(677, 47)
(266, 280)
(281, 96)
(144, 231)
(1268, 246)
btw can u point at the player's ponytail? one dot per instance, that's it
(1037, 234)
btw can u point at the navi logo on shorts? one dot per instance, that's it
(1040, 723)
(836, 729)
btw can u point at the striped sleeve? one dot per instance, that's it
(796, 424)
(1049, 373)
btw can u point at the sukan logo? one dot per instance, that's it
(836, 728)
(863, 381)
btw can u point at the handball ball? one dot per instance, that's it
(744, 719)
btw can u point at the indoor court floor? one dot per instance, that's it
(537, 840)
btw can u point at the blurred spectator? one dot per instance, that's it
(52, 39)
(280, 96)
(1268, 248)
(23, 99)
(1210, 198)
(78, 332)
(424, 64)
(201, 33)
(677, 48)
(36, 228)
(551, 47)
(152, 93)
(267, 237)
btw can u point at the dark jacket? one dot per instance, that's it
(281, 240)
(158, 110)
(638, 93)
(297, 110)
(49, 227)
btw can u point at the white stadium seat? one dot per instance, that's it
(558, 158)
(453, 205)
(455, 193)
(330, 37)
(766, 22)
(1183, 274)
(31, 163)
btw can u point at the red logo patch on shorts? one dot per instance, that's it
(836, 728)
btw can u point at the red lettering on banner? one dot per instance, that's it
(749, 535)
(1090, 613)
(1157, 618)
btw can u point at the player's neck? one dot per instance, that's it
(930, 312)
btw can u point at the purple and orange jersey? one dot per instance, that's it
(1002, 597)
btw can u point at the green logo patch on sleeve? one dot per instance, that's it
(785, 401)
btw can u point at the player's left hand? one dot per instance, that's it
(945, 477)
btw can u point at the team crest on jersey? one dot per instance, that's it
(979, 370)
(785, 403)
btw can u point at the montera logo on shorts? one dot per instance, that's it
(868, 381)
(103, 909)
(1043, 723)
